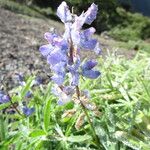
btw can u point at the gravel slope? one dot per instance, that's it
(20, 38)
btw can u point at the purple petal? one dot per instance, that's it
(79, 21)
(89, 44)
(28, 94)
(56, 57)
(75, 79)
(59, 68)
(89, 65)
(67, 32)
(97, 49)
(77, 64)
(75, 35)
(63, 12)
(46, 49)
(50, 36)
(20, 77)
(55, 91)
(62, 44)
(58, 79)
(91, 74)
(85, 41)
(28, 111)
(90, 14)
(2, 94)
(60, 102)
(88, 32)
(38, 80)
(4, 98)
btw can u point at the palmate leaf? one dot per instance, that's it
(131, 141)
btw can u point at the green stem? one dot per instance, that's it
(88, 118)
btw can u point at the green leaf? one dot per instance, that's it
(79, 138)
(47, 115)
(37, 133)
(131, 141)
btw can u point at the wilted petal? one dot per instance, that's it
(91, 74)
(90, 14)
(63, 12)
(89, 65)
(56, 57)
(69, 90)
(63, 99)
(86, 93)
(46, 49)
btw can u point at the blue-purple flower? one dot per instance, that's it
(63, 51)
(28, 94)
(87, 69)
(38, 80)
(28, 111)
(4, 98)
(20, 77)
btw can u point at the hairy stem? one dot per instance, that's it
(88, 118)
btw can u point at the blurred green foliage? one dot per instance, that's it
(131, 27)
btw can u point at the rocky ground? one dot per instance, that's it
(20, 38)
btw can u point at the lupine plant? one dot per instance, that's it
(63, 55)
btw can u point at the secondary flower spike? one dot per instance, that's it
(63, 51)
(4, 98)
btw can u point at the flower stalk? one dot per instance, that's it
(88, 118)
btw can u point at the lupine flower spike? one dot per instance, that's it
(63, 51)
